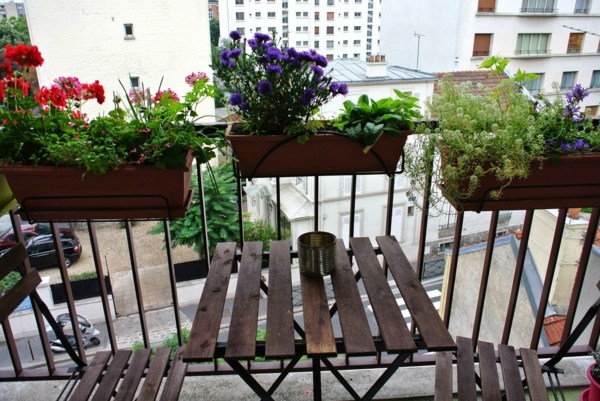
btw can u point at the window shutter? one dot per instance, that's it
(481, 44)
(486, 6)
(575, 41)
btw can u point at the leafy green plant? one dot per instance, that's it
(83, 276)
(366, 120)
(596, 367)
(261, 230)
(9, 281)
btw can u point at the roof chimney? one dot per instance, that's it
(376, 66)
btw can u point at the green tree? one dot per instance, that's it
(221, 212)
(14, 31)
(214, 32)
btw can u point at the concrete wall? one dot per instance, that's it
(86, 39)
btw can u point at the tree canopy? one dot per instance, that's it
(14, 31)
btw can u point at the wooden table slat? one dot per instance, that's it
(156, 371)
(112, 376)
(465, 371)
(432, 329)
(91, 376)
(488, 370)
(358, 339)
(280, 313)
(533, 373)
(320, 340)
(510, 371)
(241, 342)
(394, 332)
(207, 322)
(133, 376)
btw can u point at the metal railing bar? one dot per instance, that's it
(172, 280)
(136, 284)
(453, 267)
(205, 245)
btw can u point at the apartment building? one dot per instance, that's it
(335, 28)
(10, 9)
(559, 40)
(134, 43)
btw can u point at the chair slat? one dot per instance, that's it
(133, 376)
(320, 340)
(443, 377)
(241, 342)
(174, 381)
(111, 378)
(156, 372)
(488, 370)
(465, 370)
(513, 385)
(91, 376)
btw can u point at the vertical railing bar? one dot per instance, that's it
(520, 262)
(239, 192)
(64, 275)
(172, 280)
(390, 204)
(136, 283)
(593, 344)
(316, 225)
(485, 276)
(352, 206)
(203, 217)
(39, 319)
(424, 222)
(453, 267)
(551, 268)
(586, 250)
(278, 214)
(11, 345)
(102, 284)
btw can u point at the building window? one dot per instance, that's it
(357, 28)
(134, 81)
(482, 44)
(128, 31)
(582, 6)
(347, 185)
(330, 44)
(239, 16)
(298, 43)
(595, 79)
(330, 16)
(535, 85)
(305, 43)
(316, 44)
(357, 14)
(357, 42)
(258, 15)
(591, 111)
(532, 43)
(316, 30)
(317, 2)
(575, 41)
(345, 42)
(298, 29)
(346, 14)
(271, 14)
(271, 29)
(486, 6)
(356, 55)
(396, 227)
(538, 6)
(345, 29)
(317, 16)
(239, 2)
(241, 30)
(330, 2)
(258, 29)
(345, 55)
(329, 30)
(568, 80)
(345, 220)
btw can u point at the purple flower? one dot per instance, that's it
(566, 148)
(295, 62)
(261, 37)
(252, 43)
(235, 35)
(307, 97)
(343, 90)
(274, 69)
(321, 61)
(292, 52)
(581, 144)
(273, 53)
(334, 87)
(235, 99)
(317, 70)
(264, 87)
(245, 106)
(234, 53)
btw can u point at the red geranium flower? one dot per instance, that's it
(53, 95)
(23, 55)
(93, 91)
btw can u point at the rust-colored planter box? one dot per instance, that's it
(69, 194)
(559, 182)
(323, 154)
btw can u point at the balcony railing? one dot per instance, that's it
(501, 289)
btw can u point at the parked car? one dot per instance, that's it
(8, 238)
(42, 252)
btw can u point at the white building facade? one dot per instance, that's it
(134, 42)
(557, 39)
(335, 28)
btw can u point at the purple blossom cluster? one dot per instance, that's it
(262, 70)
(572, 108)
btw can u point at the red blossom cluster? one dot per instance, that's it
(23, 56)
(168, 94)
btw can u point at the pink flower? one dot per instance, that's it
(195, 77)
(168, 94)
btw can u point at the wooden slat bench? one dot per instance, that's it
(100, 380)
(515, 382)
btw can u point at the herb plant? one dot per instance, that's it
(365, 120)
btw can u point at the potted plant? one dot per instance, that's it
(592, 393)
(276, 92)
(134, 162)
(498, 149)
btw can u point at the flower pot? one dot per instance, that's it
(592, 393)
(558, 182)
(323, 154)
(68, 193)
(7, 200)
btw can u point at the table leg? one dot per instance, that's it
(385, 376)
(316, 362)
(250, 381)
